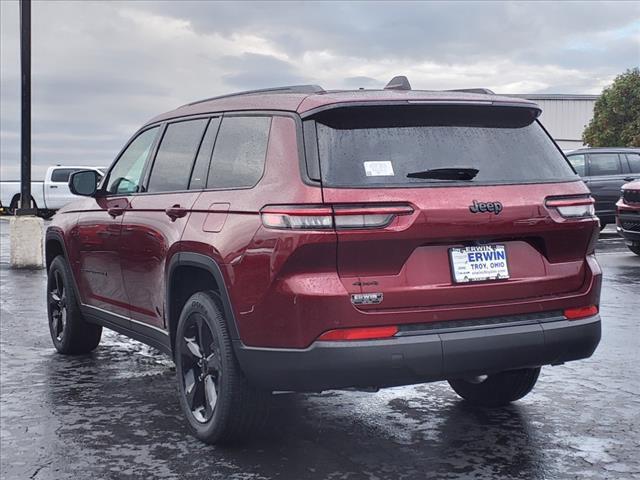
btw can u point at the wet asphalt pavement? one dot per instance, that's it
(115, 414)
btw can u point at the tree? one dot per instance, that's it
(616, 116)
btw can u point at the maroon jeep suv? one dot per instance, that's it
(296, 239)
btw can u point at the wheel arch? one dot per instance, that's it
(53, 246)
(189, 273)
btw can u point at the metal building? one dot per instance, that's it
(565, 116)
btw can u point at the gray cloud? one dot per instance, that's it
(100, 70)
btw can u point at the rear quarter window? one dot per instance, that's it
(239, 152)
(379, 146)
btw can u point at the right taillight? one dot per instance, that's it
(340, 217)
(573, 207)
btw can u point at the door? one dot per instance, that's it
(56, 188)
(606, 176)
(154, 220)
(97, 233)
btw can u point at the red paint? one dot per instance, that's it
(288, 287)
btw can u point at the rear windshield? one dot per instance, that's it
(380, 146)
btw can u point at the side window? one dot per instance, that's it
(634, 162)
(604, 164)
(239, 154)
(201, 167)
(126, 174)
(177, 151)
(578, 163)
(61, 174)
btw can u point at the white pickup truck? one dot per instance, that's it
(48, 195)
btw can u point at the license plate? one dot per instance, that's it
(478, 264)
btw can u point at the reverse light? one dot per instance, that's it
(573, 207)
(580, 312)
(342, 217)
(359, 333)
(296, 218)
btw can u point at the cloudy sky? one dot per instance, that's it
(100, 70)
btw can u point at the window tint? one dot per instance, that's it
(62, 174)
(380, 146)
(126, 174)
(578, 163)
(239, 154)
(604, 164)
(634, 162)
(201, 167)
(177, 151)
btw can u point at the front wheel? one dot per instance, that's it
(498, 389)
(70, 333)
(216, 398)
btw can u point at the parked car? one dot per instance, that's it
(628, 216)
(298, 239)
(605, 170)
(46, 196)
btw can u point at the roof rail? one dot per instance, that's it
(288, 89)
(473, 90)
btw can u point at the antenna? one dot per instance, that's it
(398, 83)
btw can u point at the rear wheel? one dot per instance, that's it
(635, 249)
(215, 396)
(498, 389)
(70, 333)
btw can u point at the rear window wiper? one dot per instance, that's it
(452, 173)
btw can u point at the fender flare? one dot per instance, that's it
(208, 264)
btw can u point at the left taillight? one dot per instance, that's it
(342, 217)
(573, 207)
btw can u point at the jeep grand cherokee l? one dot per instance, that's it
(298, 239)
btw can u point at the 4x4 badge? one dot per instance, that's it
(494, 207)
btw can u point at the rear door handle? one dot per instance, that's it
(115, 211)
(175, 212)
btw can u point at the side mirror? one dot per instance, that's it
(84, 183)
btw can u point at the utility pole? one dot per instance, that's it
(25, 231)
(25, 123)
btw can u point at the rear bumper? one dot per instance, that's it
(420, 358)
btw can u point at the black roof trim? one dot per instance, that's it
(309, 89)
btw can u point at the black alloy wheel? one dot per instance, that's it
(201, 368)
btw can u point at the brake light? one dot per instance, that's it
(573, 207)
(580, 312)
(360, 333)
(342, 217)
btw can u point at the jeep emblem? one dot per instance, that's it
(481, 207)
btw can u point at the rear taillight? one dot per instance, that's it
(297, 218)
(342, 217)
(580, 312)
(359, 333)
(573, 207)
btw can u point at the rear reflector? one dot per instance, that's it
(580, 312)
(361, 333)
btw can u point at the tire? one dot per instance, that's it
(220, 405)
(70, 333)
(635, 249)
(498, 389)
